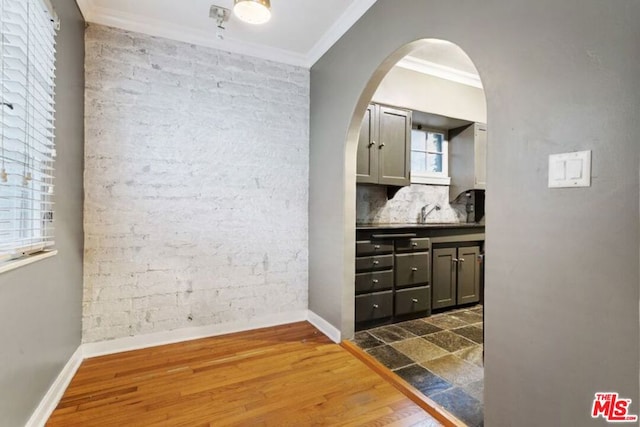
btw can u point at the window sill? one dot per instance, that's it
(30, 259)
(432, 180)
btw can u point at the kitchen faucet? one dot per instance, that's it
(424, 212)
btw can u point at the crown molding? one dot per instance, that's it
(441, 71)
(350, 16)
(152, 27)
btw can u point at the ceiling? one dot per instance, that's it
(299, 32)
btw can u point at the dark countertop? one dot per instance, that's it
(427, 225)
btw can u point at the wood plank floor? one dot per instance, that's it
(289, 375)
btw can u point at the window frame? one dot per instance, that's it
(37, 51)
(432, 178)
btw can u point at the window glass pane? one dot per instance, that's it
(434, 141)
(418, 161)
(434, 163)
(418, 140)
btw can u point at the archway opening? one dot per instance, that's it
(417, 147)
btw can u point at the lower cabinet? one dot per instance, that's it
(392, 278)
(374, 306)
(405, 273)
(414, 300)
(456, 276)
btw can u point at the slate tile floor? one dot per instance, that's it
(439, 355)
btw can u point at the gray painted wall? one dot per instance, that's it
(562, 318)
(40, 304)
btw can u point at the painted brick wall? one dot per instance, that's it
(196, 186)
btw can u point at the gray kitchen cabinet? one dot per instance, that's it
(468, 274)
(413, 300)
(384, 147)
(480, 151)
(394, 147)
(456, 276)
(374, 306)
(374, 281)
(405, 271)
(443, 279)
(367, 157)
(468, 158)
(412, 269)
(392, 277)
(379, 262)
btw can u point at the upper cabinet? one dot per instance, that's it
(468, 158)
(384, 146)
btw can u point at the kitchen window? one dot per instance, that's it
(429, 157)
(27, 152)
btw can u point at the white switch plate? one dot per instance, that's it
(570, 170)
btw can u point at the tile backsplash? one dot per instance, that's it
(372, 206)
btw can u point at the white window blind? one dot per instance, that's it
(27, 76)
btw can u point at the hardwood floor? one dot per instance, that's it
(289, 375)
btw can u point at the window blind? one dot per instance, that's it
(27, 78)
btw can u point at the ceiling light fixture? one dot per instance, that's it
(253, 11)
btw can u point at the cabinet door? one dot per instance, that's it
(367, 166)
(444, 277)
(468, 275)
(480, 149)
(394, 147)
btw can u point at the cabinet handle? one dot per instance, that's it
(454, 260)
(414, 268)
(372, 143)
(415, 300)
(376, 306)
(414, 244)
(381, 145)
(393, 236)
(376, 247)
(375, 281)
(461, 260)
(376, 262)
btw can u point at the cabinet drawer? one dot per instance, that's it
(374, 281)
(383, 262)
(412, 245)
(373, 248)
(412, 269)
(374, 306)
(413, 300)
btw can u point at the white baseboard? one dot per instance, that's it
(138, 342)
(325, 327)
(55, 392)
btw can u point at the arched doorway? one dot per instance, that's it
(421, 182)
(436, 82)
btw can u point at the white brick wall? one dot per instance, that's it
(196, 186)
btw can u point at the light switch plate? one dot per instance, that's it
(570, 170)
